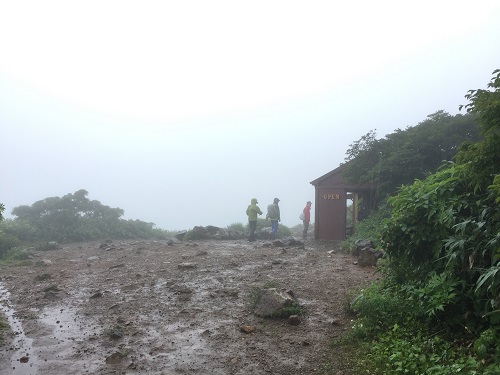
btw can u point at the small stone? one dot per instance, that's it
(187, 266)
(247, 329)
(294, 320)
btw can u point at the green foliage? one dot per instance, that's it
(240, 227)
(400, 350)
(17, 254)
(73, 218)
(7, 242)
(2, 209)
(379, 307)
(442, 244)
(21, 229)
(44, 246)
(405, 155)
(391, 335)
(482, 158)
(369, 228)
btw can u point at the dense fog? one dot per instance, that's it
(180, 114)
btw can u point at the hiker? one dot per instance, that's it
(307, 218)
(273, 214)
(252, 211)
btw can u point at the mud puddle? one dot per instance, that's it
(138, 309)
(22, 359)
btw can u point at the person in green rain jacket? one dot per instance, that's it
(252, 211)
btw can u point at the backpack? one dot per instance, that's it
(271, 211)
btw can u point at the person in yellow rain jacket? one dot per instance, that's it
(252, 211)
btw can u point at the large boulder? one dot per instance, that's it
(180, 235)
(360, 245)
(275, 303)
(212, 232)
(369, 257)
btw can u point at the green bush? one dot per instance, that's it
(369, 228)
(408, 351)
(16, 254)
(378, 308)
(240, 227)
(20, 229)
(7, 242)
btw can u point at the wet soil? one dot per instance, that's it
(144, 307)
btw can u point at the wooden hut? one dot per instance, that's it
(339, 204)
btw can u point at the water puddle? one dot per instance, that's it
(23, 359)
(54, 349)
(66, 350)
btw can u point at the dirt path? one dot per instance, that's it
(143, 307)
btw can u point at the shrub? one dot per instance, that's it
(369, 228)
(7, 242)
(238, 227)
(17, 254)
(378, 308)
(401, 350)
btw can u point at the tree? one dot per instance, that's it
(406, 155)
(446, 228)
(72, 217)
(483, 158)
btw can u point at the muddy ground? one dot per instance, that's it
(144, 307)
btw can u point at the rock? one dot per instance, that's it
(172, 241)
(247, 329)
(96, 295)
(117, 266)
(115, 358)
(213, 230)
(288, 241)
(335, 322)
(116, 334)
(199, 233)
(187, 266)
(273, 302)
(44, 262)
(43, 277)
(51, 295)
(294, 320)
(361, 244)
(180, 235)
(53, 245)
(368, 257)
(181, 289)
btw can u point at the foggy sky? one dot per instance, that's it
(180, 113)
